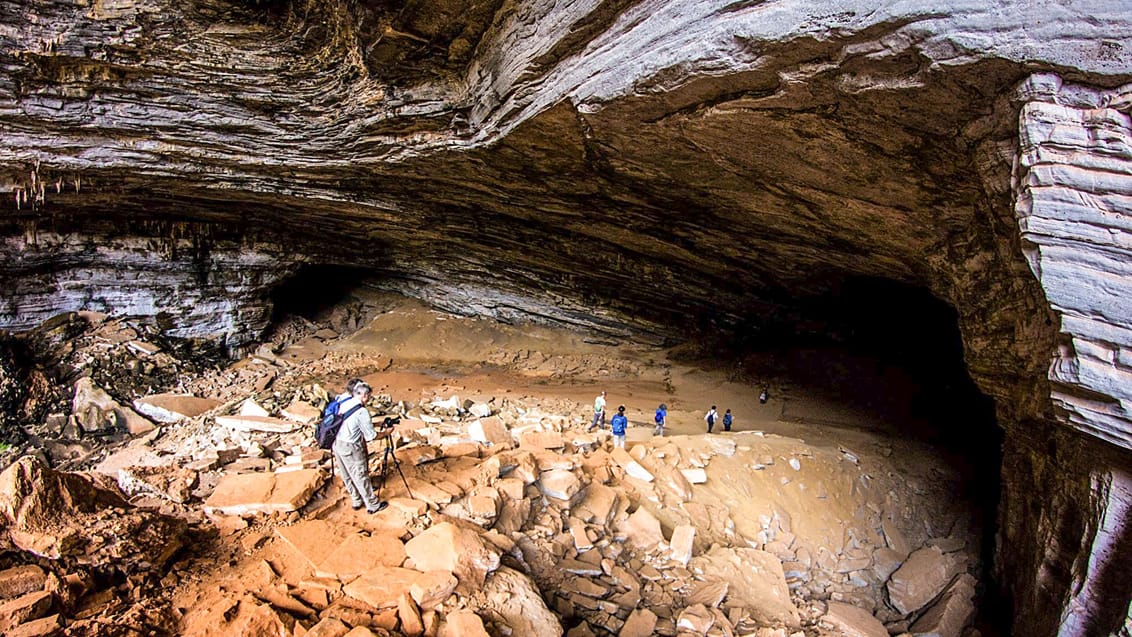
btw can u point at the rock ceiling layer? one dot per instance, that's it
(672, 164)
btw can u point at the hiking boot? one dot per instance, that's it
(380, 507)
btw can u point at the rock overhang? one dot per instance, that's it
(621, 166)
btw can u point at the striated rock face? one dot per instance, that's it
(650, 167)
(197, 287)
(1074, 206)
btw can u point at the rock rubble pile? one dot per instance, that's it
(506, 518)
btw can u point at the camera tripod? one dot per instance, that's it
(385, 457)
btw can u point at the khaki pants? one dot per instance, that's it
(353, 466)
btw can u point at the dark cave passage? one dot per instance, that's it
(315, 290)
(893, 352)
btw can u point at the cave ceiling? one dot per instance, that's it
(662, 164)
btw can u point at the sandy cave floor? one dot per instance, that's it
(415, 355)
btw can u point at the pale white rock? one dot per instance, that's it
(171, 408)
(256, 423)
(251, 408)
(695, 476)
(683, 537)
(97, 411)
(631, 466)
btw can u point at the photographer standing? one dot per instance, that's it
(350, 450)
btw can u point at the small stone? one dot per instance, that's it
(682, 539)
(641, 623)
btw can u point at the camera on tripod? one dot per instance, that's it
(389, 421)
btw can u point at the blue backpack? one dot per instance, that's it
(659, 416)
(327, 429)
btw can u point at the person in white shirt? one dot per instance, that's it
(599, 412)
(350, 450)
(710, 418)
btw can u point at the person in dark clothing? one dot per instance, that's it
(710, 417)
(727, 420)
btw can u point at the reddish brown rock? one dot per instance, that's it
(640, 623)
(328, 627)
(20, 580)
(53, 514)
(359, 553)
(383, 586)
(951, 613)
(410, 616)
(23, 609)
(251, 493)
(43, 627)
(432, 588)
(447, 547)
(463, 623)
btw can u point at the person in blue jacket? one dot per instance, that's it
(617, 425)
(661, 416)
(727, 421)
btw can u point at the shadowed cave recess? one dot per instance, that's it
(921, 210)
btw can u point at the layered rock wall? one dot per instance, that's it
(197, 288)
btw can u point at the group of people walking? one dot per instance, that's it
(619, 422)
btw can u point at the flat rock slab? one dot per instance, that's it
(640, 623)
(853, 622)
(949, 616)
(631, 466)
(359, 553)
(251, 493)
(314, 540)
(489, 431)
(541, 440)
(920, 578)
(257, 423)
(463, 623)
(447, 547)
(383, 586)
(170, 408)
(755, 581)
(642, 529)
(21, 580)
(301, 412)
